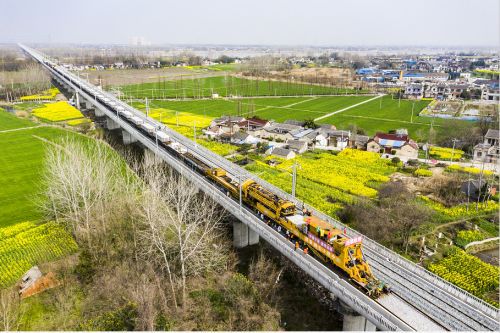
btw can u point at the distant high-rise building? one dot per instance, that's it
(139, 41)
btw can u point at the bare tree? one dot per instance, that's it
(183, 225)
(10, 312)
(80, 180)
(265, 275)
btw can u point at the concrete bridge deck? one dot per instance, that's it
(421, 300)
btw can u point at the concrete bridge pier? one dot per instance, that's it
(78, 106)
(99, 113)
(353, 321)
(128, 138)
(253, 237)
(111, 124)
(243, 235)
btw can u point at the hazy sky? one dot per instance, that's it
(280, 22)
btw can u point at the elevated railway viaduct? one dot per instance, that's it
(419, 300)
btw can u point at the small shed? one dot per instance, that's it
(474, 188)
(29, 278)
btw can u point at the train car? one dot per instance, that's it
(162, 137)
(136, 120)
(148, 128)
(265, 201)
(177, 147)
(220, 177)
(332, 245)
(126, 114)
(327, 243)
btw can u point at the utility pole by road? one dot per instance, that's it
(294, 176)
(412, 108)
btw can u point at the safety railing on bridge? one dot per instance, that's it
(373, 247)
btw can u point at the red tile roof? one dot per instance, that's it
(396, 137)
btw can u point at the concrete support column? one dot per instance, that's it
(253, 237)
(99, 113)
(353, 321)
(128, 138)
(111, 124)
(240, 234)
(77, 100)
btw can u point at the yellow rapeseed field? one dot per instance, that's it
(76, 122)
(58, 111)
(182, 118)
(49, 94)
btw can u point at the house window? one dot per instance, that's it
(479, 154)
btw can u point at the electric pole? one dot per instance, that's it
(194, 131)
(453, 150)
(412, 108)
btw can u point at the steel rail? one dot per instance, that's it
(460, 305)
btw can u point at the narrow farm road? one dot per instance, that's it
(349, 107)
(20, 129)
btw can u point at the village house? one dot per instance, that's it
(414, 91)
(254, 126)
(281, 132)
(489, 150)
(240, 138)
(281, 152)
(394, 144)
(332, 139)
(297, 146)
(294, 122)
(358, 141)
(306, 135)
(213, 132)
(225, 124)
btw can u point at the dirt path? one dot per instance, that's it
(20, 129)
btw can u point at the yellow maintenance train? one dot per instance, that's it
(326, 242)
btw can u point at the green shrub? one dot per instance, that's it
(121, 319)
(422, 173)
(467, 272)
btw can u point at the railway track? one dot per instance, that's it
(426, 294)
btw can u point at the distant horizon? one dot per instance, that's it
(279, 23)
(356, 46)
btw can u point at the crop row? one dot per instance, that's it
(462, 210)
(49, 94)
(58, 111)
(445, 153)
(465, 237)
(27, 244)
(467, 272)
(472, 170)
(351, 170)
